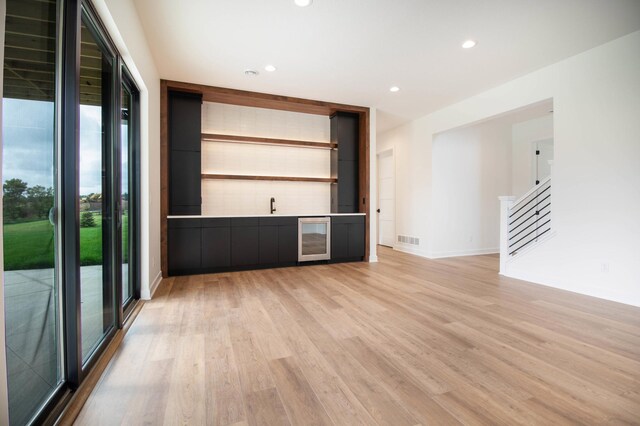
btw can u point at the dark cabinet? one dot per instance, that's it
(268, 245)
(344, 162)
(355, 235)
(184, 243)
(288, 243)
(278, 240)
(185, 184)
(185, 121)
(245, 241)
(206, 245)
(216, 243)
(347, 238)
(185, 130)
(339, 241)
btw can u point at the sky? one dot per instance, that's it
(28, 136)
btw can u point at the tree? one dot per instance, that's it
(14, 206)
(87, 220)
(39, 200)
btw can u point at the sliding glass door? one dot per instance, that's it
(70, 176)
(127, 190)
(30, 227)
(97, 66)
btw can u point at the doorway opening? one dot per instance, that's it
(386, 198)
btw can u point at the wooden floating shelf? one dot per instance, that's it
(212, 137)
(276, 178)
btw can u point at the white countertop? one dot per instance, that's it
(263, 215)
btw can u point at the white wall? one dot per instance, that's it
(524, 135)
(241, 197)
(471, 168)
(4, 395)
(122, 22)
(411, 145)
(596, 190)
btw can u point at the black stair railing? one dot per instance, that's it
(530, 217)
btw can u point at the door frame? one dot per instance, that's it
(384, 153)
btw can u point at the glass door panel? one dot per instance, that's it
(96, 75)
(29, 176)
(125, 192)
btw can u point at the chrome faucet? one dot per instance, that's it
(273, 202)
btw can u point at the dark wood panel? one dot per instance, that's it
(348, 219)
(245, 245)
(348, 193)
(185, 115)
(275, 178)
(268, 141)
(279, 220)
(268, 245)
(185, 179)
(356, 239)
(339, 240)
(185, 223)
(288, 243)
(245, 221)
(216, 247)
(364, 171)
(184, 250)
(263, 100)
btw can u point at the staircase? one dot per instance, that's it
(523, 222)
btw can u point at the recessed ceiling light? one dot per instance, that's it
(468, 44)
(270, 68)
(251, 73)
(394, 89)
(303, 3)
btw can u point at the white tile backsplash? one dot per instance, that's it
(238, 197)
(244, 197)
(269, 160)
(269, 123)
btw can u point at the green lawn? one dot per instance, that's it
(29, 245)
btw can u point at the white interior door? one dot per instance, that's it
(386, 199)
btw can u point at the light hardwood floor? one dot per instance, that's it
(401, 342)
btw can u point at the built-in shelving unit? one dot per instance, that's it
(212, 137)
(274, 178)
(192, 162)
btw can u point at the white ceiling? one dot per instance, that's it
(352, 51)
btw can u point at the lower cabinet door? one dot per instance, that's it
(216, 247)
(288, 244)
(268, 245)
(356, 239)
(339, 241)
(184, 250)
(245, 245)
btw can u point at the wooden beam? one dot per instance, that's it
(262, 100)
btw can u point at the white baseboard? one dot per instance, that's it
(441, 255)
(605, 294)
(153, 287)
(373, 258)
(460, 253)
(411, 250)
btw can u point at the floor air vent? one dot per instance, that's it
(409, 240)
